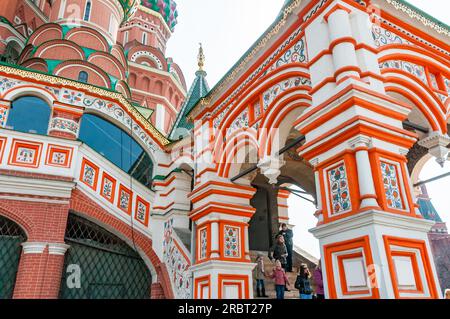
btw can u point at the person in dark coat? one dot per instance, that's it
(288, 240)
(303, 282)
(279, 251)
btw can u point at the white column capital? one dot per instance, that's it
(33, 248)
(58, 249)
(360, 141)
(437, 143)
(314, 162)
(271, 168)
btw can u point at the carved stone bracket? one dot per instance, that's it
(437, 143)
(271, 168)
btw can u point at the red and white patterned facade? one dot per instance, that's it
(345, 74)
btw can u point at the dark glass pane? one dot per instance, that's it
(87, 13)
(29, 114)
(83, 77)
(117, 146)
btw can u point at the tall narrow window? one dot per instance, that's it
(125, 38)
(87, 11)
(144, 38)
(83, 77)
(62, 9)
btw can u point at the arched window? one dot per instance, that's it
(29, 114)
(117, 146)
(83, 77)
(12, 53)
(144, 38)
(87, 11)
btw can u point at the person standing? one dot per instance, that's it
(260, 277)
(281, 280)
(303, 283)
(447, 294)
(279, 251)
(288, 236)
(318, 279)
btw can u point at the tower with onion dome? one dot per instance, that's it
(156, 82)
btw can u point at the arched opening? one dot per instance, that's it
(107, 267)
(12, 53)
(118, 146)
(11, 238)
(83, 77)
(29, 114)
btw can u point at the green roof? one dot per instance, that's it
(428, 211)
(198, 90)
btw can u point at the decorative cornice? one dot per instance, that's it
(156, 14)
(50, 79)
(261, 44)
(439, 28)
(57, 249)
(33, 248)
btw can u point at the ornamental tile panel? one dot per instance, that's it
(89, 174)
(416, 70)
(339, 189)
(383, 37)
(271, 94)
(231, 242)
(25, 154)
(108, 188)
(7, 84)
(64, 125)
(391, 185)
(142, 211)
(124, 202)
(295, 54)
(177, 264)
(59, 156)
(71, 97)
(203, 243)
(3, 116)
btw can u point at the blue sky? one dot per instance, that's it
(227, 28)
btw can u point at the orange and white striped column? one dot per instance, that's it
(373, 242)
(222, 267)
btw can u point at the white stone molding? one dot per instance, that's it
(58, 249)
(437, 146)
(33, 248)
(271, 168)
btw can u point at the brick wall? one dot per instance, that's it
(39, 274)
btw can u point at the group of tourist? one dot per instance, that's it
(281, 255)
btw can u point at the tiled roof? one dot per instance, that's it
(198, 90)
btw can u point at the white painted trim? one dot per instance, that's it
(33, 248)
(57, 249)
(372, 217)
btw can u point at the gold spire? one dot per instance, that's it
(201, 58)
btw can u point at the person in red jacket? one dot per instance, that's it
(281, 280)
(318, 279)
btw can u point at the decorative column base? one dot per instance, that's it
(377, 255)
(216, 279)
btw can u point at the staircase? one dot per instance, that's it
(292, 276)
